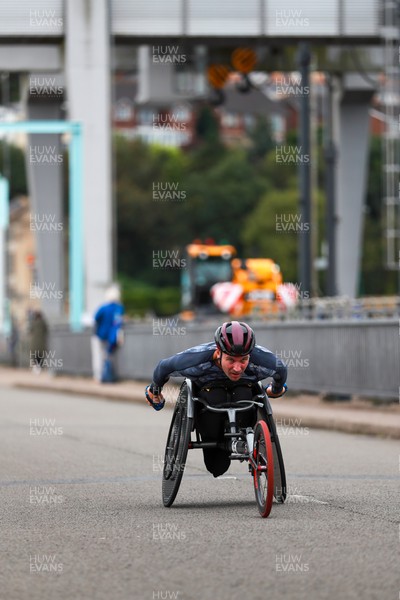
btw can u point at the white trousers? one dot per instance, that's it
(99, 353)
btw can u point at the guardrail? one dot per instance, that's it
(342, 307)
(332, 357)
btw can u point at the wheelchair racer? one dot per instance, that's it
(224, 370)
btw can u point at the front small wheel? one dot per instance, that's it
(263, 473)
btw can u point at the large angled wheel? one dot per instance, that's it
(279, 466)
(263, 474)
(177, 448)
(280, 486)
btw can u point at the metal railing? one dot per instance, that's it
(346, 356)
(382, 307)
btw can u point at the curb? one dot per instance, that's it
(64, 389)
(307, 421)
(372, 429)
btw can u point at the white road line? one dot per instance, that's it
(298, 497)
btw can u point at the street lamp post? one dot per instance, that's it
(305, 258)
(5, 324)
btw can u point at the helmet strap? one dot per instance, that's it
(217, 360)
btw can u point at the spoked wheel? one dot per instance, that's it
(263, 475)
(279, 466)
(280, 486)
(177, 448)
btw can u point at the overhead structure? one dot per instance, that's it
(342, 21)
(73, 39)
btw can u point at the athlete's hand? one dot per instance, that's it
(157, 401)
(271, 394)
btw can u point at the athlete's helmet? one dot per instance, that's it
(235, 338)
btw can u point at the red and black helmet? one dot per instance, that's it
(235, 338)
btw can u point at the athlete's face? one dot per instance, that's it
(234, 366)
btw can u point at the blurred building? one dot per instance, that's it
(174, 123)
(275, 99)
(21, 261)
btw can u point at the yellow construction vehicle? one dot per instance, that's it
(260, 279)
(215, 281)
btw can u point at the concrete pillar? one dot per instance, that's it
(5, 324)
(351, 130)
(45, 179)
(87, 70)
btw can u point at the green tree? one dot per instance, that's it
(215, 201)
(15, 157)
(146, 225)
(207, 126)
(260, 139)
(375, 279)
(263, 237)
(220, 197)
(273, 228)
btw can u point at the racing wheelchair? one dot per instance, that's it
(259, 446)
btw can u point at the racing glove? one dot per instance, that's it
(272, 394)
(154, 396)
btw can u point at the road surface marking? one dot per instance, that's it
(305, 498)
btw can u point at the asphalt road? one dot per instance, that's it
(81, 515)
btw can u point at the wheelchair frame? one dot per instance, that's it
(179, 440)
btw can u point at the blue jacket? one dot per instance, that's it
(196, 363)
(108, 321)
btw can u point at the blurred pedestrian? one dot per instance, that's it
(108, 336)
(13, 342)
(38, 333)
